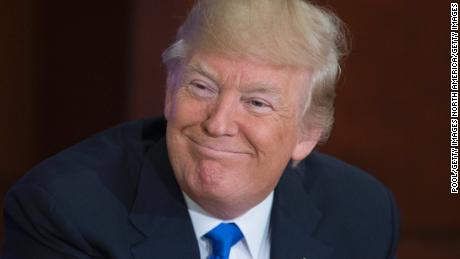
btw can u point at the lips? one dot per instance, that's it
(217, 148)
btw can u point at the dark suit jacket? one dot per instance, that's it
(115, 196)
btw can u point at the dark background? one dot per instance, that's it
(71, 68)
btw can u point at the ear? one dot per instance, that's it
(305, 143)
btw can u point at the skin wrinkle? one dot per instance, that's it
(261, 87)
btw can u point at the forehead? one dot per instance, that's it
(246, 71)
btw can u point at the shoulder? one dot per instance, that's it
(107, 161)
(319, 169)
(357, 209)
(67, 198)
(115, 154)
(334, 185)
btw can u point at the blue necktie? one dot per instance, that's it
(223, 237)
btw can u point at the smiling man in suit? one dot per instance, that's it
(230, 171)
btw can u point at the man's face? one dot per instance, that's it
(233, 125)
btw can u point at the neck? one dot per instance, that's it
(225, 210)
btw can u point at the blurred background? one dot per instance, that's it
(69, 69)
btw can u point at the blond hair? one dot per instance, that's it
(281, 32)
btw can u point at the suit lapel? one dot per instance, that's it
(160, 214)
(159, 211)
(294, 219)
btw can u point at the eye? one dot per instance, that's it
(201, 89)
(259, 105)
(198, 86)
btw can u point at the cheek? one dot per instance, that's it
(180, 158)
(273, 137)
(275, 145)
(187, 109)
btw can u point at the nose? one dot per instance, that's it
(221, 118)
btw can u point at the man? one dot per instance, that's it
(230, 173)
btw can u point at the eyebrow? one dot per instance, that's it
(263, 88)
(257, 87)
(201, 69)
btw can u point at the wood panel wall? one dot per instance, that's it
(70, 69)
(63, 77)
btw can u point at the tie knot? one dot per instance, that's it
(223, 237)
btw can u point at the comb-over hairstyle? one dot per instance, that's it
(280, 32)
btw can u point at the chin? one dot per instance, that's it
(213, 180)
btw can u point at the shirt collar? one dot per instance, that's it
(254, 224)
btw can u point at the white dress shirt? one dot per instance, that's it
(254, 224)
